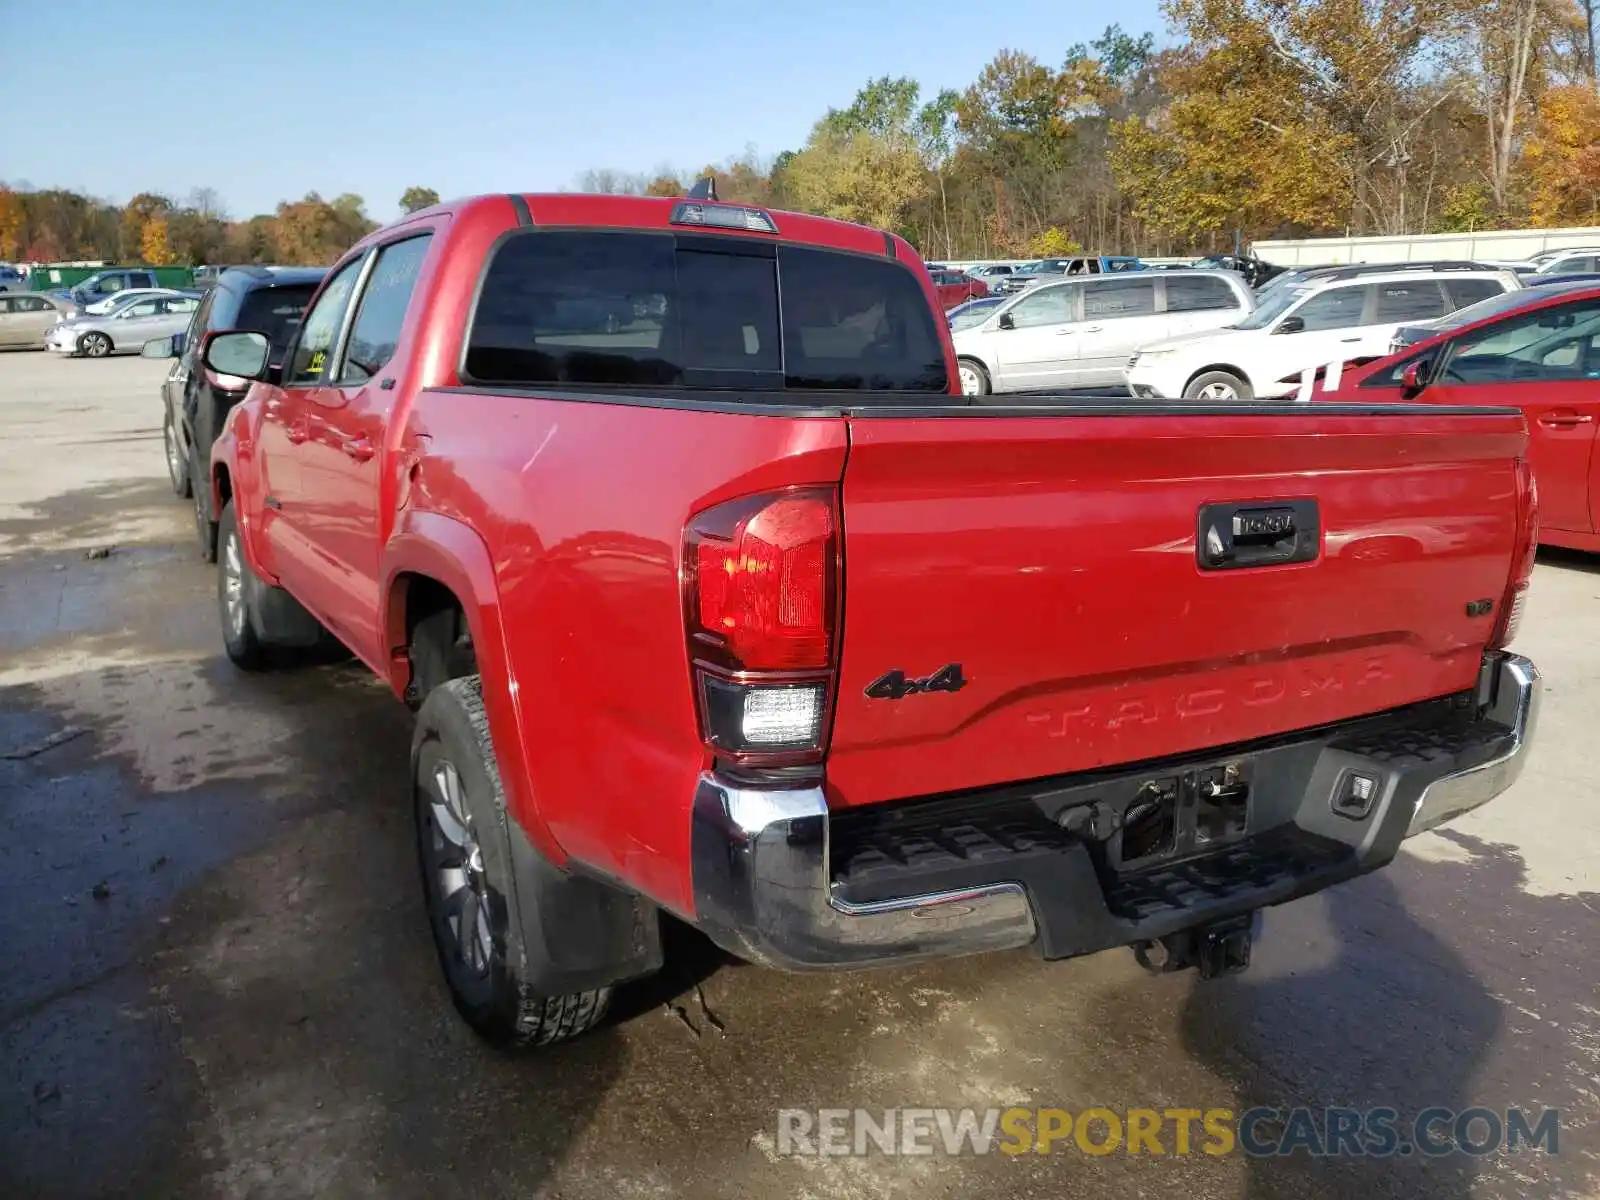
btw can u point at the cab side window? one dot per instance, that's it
(1336, 308)
(376, 332)
(319, 331)
(1561, 343)
(1048, 306)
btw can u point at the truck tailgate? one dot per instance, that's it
(1055, 559)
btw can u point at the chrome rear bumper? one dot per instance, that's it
(764, 889)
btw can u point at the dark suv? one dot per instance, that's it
(197, 399)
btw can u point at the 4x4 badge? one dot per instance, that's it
(895, 685)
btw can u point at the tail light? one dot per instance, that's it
(1523, 552)
(761, 598)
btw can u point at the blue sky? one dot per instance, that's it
(267, 101)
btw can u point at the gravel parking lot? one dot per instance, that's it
(216, 978)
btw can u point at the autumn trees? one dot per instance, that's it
(1257, 118)
(45, 226)
(1247, 119)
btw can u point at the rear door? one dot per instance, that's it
(1119, 317)
(1041, 347)
(1402, 302)
(1050, 563)
(136, 324)
(10, 329)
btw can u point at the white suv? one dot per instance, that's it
(1332, 318)
(1079, 333)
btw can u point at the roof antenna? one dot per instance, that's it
(704, 188)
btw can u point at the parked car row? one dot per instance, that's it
(1352, 312)
(1080, 333)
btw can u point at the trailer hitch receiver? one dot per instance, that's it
(1218, 949)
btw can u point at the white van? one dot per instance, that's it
(1080, 333)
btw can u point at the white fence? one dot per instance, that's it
(1500, 245)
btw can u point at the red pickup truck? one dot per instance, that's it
(716, 599)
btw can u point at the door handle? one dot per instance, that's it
(1349, 340)
(1094, 329)
(359, 449)
(1564, 419)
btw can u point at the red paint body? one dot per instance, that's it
(1562, 419)
(955, 288)
(1051, 554)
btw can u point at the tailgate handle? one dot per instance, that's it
(1257, 534)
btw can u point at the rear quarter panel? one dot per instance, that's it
(582, 507)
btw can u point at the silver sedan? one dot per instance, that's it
(27, 317)
(125, 328)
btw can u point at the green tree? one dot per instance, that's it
(855, 177)
(414, 199)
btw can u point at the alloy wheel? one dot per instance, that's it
(456, 869)
(233, 585)
(176, 468)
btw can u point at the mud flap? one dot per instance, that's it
(579, 933)
(278, 618)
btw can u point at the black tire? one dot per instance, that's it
(177, 468)
(1217, 381)
(972, 369)
(94, 345)
(237, 588)
(462, 828)
(205, 529)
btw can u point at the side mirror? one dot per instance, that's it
(243, 354)
(159, 348)
(1007, 321)
(1415, 377)
(1291, 325)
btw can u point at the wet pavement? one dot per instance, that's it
(216, 979)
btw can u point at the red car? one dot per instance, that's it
(1538, 350)
(957, 287)
(716, 599)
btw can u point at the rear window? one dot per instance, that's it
(1465, 292)
(276, 312)
(677, 310)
